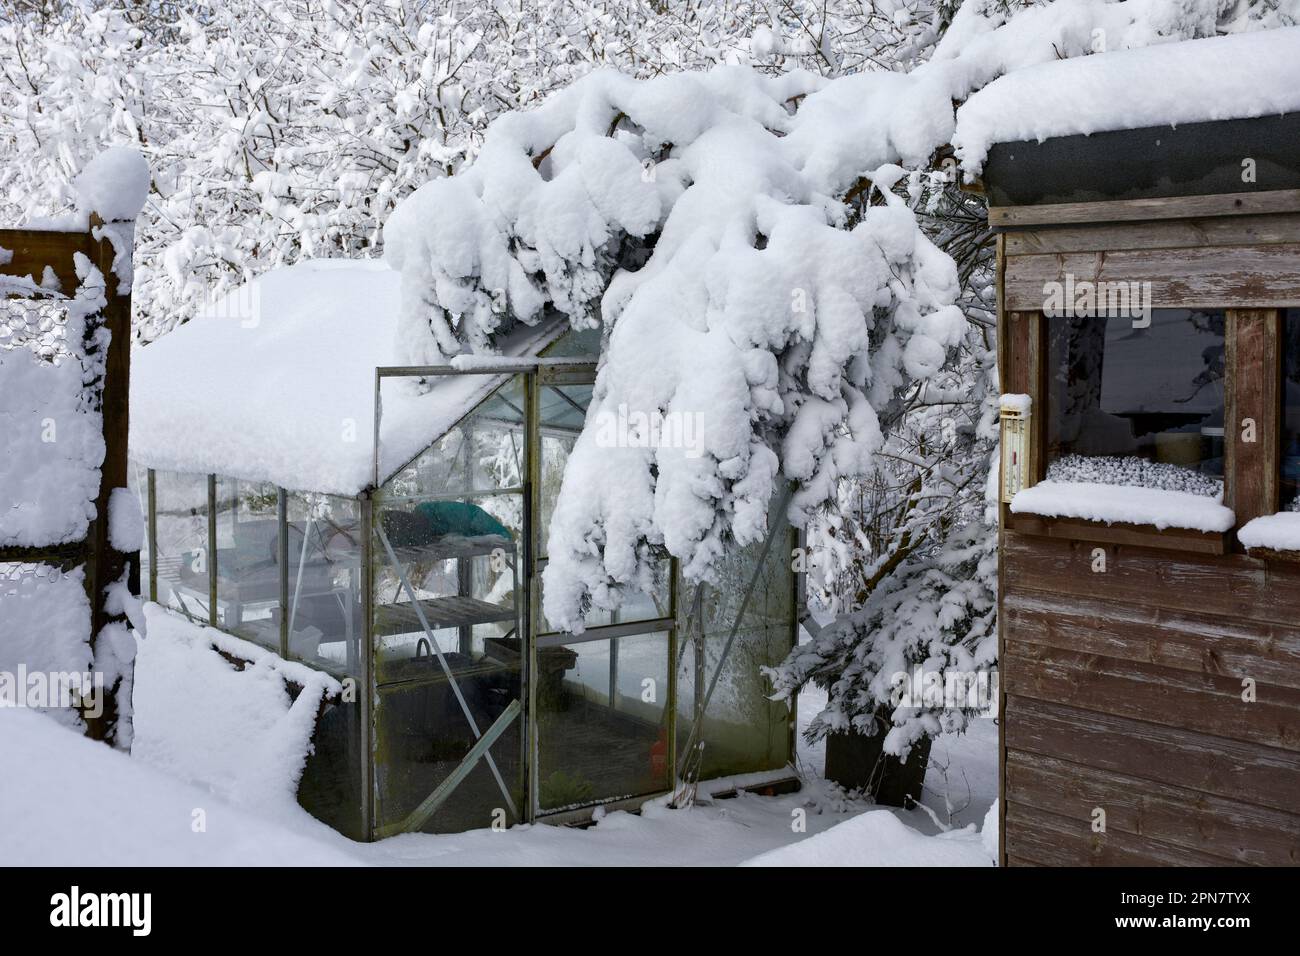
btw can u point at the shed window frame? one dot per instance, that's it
(1029, 345)
(1272, 432)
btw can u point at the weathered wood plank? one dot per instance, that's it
(1005, 378)
(59, 555)
(1053, 840)
(1209, 703)
(109, 564)
(1135, 210)
(1254, 397)
(1021, 369)
(1231, 769)
(29, 251)
(1234, 831)
(1165, 234)
(1232, 585)
(1072, 529)
(1216, 277)
(1201, 643)
(1015, 352)
(1037, 390)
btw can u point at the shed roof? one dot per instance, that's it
(1231, 77)
(275, 382)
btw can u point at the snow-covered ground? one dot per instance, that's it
(129, 812)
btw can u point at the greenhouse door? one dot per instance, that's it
(601, 721)
(449, 532)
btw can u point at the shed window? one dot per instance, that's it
(1123, 393)
(1290, 483)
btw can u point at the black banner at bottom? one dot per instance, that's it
(340, 907)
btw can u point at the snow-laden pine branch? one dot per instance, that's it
(714, 223)
(757, 316)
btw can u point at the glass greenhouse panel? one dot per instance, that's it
(578, 344)
(422, 738)
(323, 539)
(562, 410)
(743, 731)
(330, 788)
(448, 541)
(461, 560)
(248, 562)
(484, 452)
(137, 481)
(182, 533)
(602, 720)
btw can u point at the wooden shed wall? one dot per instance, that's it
(1122, 689)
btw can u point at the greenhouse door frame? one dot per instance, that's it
(550, 375)
(535, 375)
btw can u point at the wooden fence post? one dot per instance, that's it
(37, 253)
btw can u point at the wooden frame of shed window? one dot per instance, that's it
(1197, 253)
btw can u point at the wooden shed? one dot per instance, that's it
(1149, 330)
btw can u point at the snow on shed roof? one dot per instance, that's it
(1239, 76)
(275, 382)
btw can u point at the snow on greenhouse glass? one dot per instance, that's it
(1137, 402)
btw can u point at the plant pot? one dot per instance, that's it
(858, 762)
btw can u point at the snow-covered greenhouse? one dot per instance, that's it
(388, 525)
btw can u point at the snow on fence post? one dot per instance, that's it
(67, 260)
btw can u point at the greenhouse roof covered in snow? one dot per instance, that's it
(275, 382)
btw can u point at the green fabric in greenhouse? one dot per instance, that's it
(460, 517)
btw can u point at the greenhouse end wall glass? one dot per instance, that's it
(424, 591)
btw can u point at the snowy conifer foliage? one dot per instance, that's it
(761, 312)
(935, 615)
(711, 222)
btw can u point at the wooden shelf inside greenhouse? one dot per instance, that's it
(450, 547)
(441, 612)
